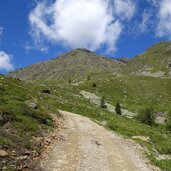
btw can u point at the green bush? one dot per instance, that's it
(146, 116)
(14, 110)
(2, 90)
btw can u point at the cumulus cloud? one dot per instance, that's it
(159, 17)
(80, 23)
(5, 61)
(164, 17)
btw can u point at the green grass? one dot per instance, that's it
(18, 121)
(133, 92)
(156, 58)
(27, 121)
(67, 97)
(164, 164)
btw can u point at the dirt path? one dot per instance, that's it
(87, 146)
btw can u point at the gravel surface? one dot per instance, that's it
(86, 146)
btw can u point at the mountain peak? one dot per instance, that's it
(77, 63)
(82, 50)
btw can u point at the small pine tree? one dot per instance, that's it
(102, 102)
(94, 85)
(118, 108)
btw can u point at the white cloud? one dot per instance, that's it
(146, 21)
(80, 23)
(5, 61)
(143, 25)
(37, 45)
(124, 9)
(159, 15)
(164, 16)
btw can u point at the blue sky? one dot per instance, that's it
(38, 30)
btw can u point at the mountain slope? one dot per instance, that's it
(75, 64)
(156, 61)
(80, 63)
(23, 118)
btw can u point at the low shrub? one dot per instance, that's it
(146, 116)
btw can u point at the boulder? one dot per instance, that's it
(161, 117)
(22, 157)
(103, 123)
(33, 105)
(3, 153)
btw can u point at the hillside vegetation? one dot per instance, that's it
(23, 117)
(24, 124)
(133, 92)
(156, 61)
(141, 85)
(157, 143)
(75, 64)
(80, 63)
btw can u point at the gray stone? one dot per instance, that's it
(3, 153)
(22, 157)
(33, 105)
(161, 117)
(103, 123)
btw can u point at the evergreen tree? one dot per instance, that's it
(94, 85)
(118, 108)
(102, 102)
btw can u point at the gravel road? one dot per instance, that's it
(86, 146)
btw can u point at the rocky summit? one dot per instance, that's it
(80, 63)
